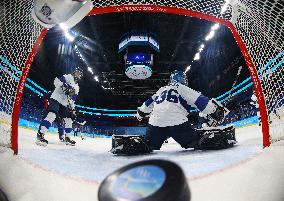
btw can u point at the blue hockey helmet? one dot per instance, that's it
(178, 76)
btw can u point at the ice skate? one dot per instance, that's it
(40, 140)
(70, 142)
(62, 139)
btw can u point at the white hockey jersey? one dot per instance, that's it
(170, 105)
(254, 101)
(59, 95)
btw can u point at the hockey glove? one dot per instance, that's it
(218, 116)
(73, 113)
(141, 115)
(139, 118)
(68, 90)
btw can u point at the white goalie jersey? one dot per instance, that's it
(171, 104)
(59, 94)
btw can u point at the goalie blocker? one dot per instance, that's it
(218, 116)
(210, 138)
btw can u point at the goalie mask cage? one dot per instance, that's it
(257, 26)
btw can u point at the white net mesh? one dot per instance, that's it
(260, 24)
(17, 36)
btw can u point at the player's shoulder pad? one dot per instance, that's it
(188, 90)
(70, 79)
(68, 76)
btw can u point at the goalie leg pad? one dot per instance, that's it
(216, 138)
(129, 145)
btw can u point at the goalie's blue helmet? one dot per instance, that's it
(178, 76)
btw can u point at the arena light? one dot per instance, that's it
(63, 26)
(215, 27)
(210, 35)
(90, 70)
(107, 88)
(197, 56)
(66, 32)
(187, 68)
(96, 78)
(201, 48)
(69, 36)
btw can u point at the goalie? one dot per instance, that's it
(168, 110)
(62, 104)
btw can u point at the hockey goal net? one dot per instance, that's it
(257, 26)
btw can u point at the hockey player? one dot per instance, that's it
(58, 120)
(255, 104)
(168, 109)
(62, 103)
(77, 127)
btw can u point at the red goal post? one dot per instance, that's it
(256, 27)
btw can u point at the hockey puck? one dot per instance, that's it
(149, 180)
(3, 196)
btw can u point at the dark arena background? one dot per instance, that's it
(229, 50)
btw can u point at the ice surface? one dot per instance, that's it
(73, 173)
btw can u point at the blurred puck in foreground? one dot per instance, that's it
(3, 197)
(149, 180)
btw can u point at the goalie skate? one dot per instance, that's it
(216, 137)
(129, 145)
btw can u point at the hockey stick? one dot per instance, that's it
(212, 121)
(70, 106)
(80, 123)
(234, 84)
